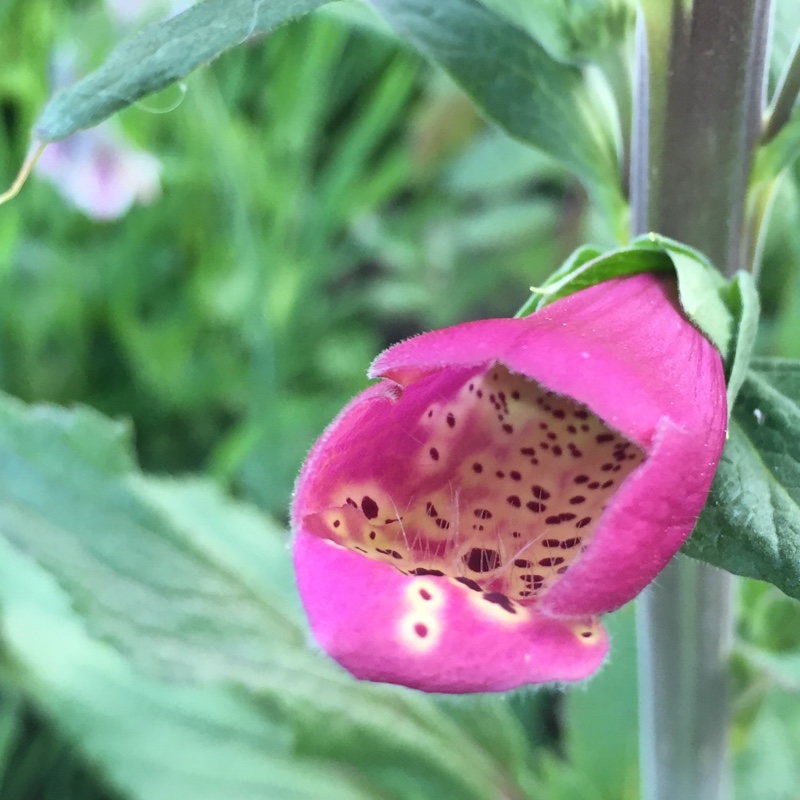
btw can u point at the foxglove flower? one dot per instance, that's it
(463, 523)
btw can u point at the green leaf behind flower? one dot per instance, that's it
(751, 523)
(156, 624)
(514, 80)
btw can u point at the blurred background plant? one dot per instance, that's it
(324, 193)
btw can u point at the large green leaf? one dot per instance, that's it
(161, 54)
(520, 86)
(751, 523)
(203, 640)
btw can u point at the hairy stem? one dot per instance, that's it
(695, 127)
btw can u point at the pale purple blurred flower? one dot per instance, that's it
(100, 172)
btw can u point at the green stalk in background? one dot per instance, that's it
(696, 120)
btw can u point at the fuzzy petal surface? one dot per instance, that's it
(433, 633)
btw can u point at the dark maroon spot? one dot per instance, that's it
(551, 542)
(540, 492)
(561, 570)
(430, 510)
(566, 517)
(425, 594)
(559, 414)
(607, 467)
(514, 475)
(557, 451)
(525, 593)
(594, 485)
(369, 507)
(607, 484)
(430, 414)
(574, 451)
(421, 630)
(534, 461)
(554, 520)
(537, 581)
(544, 426)
(552, 436)
(586, 634)
(501, 600)
(568, 544)
(434, 453)
(479, 559)
(601, 438)
(528, 451)
(582, 414)
(516, 534)
(451, 420)
(352, 502)
(572, 429)
(361, 549)
(514, 501)
(425, 571)
(515, 395)
(483, 513)
(477, 467)
(617, 468)
(372, 534)
(392, 553)
(551, 562)
(494, 376)
(508, 428)
(585, 428)
(577, 500)
(583, 522)
(582, 479)
(336, 523)
(479, 393)
(537, 508)
(522, 562)
(544, 445)
(442, 523)
(470, 584)
(471, 386)
(500, 473)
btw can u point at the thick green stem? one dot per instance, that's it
(695, 126)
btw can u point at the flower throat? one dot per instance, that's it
(512, 482)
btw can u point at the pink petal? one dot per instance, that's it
(625, 350)
(433, 633)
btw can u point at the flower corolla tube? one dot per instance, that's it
(463, 523)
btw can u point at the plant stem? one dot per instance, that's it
(695, 127)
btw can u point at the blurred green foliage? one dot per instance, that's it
(325, 193)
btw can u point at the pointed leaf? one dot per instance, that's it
(161, 54)
(751, 523)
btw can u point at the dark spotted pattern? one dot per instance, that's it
(513, 464)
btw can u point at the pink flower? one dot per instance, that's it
(463, 522)
(100, 172)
